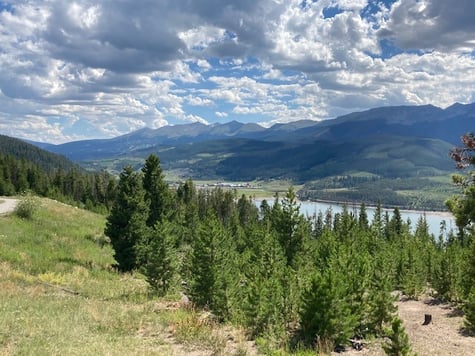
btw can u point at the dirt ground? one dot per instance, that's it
(7, 205)
(444, 336)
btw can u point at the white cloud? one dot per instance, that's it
(72, 70)
(197, 101)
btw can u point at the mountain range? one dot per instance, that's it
(390, 142)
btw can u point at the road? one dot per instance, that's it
(7, 205)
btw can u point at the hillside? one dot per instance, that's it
(60, 295)
(389, 141)
(46, 160)
(25, 167)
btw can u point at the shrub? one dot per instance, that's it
(27, 206)
(398, 343)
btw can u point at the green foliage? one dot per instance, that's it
(207, 260)
(27, 206)
(262, 285)
(469, 310)
(45, 160)
(398, 344)
(381, 306)
(281, 276)
(156, 257)
(463, 205)
(28, 168)
(405, 192)
(126, 224)
(290, 226)
(326, 313)
(157, 194)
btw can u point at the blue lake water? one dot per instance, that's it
(433, 218)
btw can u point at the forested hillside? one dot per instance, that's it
(26, 168)
(401, 146)
(45, 160)
(291, 282)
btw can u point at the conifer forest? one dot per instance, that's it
(292, 280)
(289, 280)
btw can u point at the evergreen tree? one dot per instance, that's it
(396, 223)
(380, 301)
(290, 226)
(444, 281)
(247, 211)
(325, 314)
(469, 311)
(318, 225)
(208, 265)
(398, 344)
(363, 217)
(377, 223)
(157, 194)
(414, 276)
(126, 224)
(156, 257)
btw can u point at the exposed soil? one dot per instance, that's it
(7, 205)
(442, 337)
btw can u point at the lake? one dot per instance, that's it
(433, 218)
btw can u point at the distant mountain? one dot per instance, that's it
(397, 141)
(48, 161)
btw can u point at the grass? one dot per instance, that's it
(60, 295)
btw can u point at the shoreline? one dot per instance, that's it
(383, 207)
(441, 213)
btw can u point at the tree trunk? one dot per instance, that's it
(427, 319)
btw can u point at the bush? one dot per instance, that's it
(27, 207)
(398, 341)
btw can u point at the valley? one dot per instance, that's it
(398, 156)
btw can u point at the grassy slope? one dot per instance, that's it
(60, 296)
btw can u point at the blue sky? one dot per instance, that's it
(72, 70)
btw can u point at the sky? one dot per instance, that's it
(73, 70)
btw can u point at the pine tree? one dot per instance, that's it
(469, 310)
(380, 301)
(208, 266)
(157, 194)
(156, 257)
(463, 205)
(325, 314)
(290, 226)
(263, 265)
(126, 223)
(396, 223)
(363, 217)
(398, 344)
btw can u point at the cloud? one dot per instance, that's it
(86, 69)
(221, 114)
(432, 25)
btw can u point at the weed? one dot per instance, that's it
(201, 331)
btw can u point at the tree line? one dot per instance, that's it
(94, 191)
(289, 280)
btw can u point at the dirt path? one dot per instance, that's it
(7, 205)
(444, 336)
